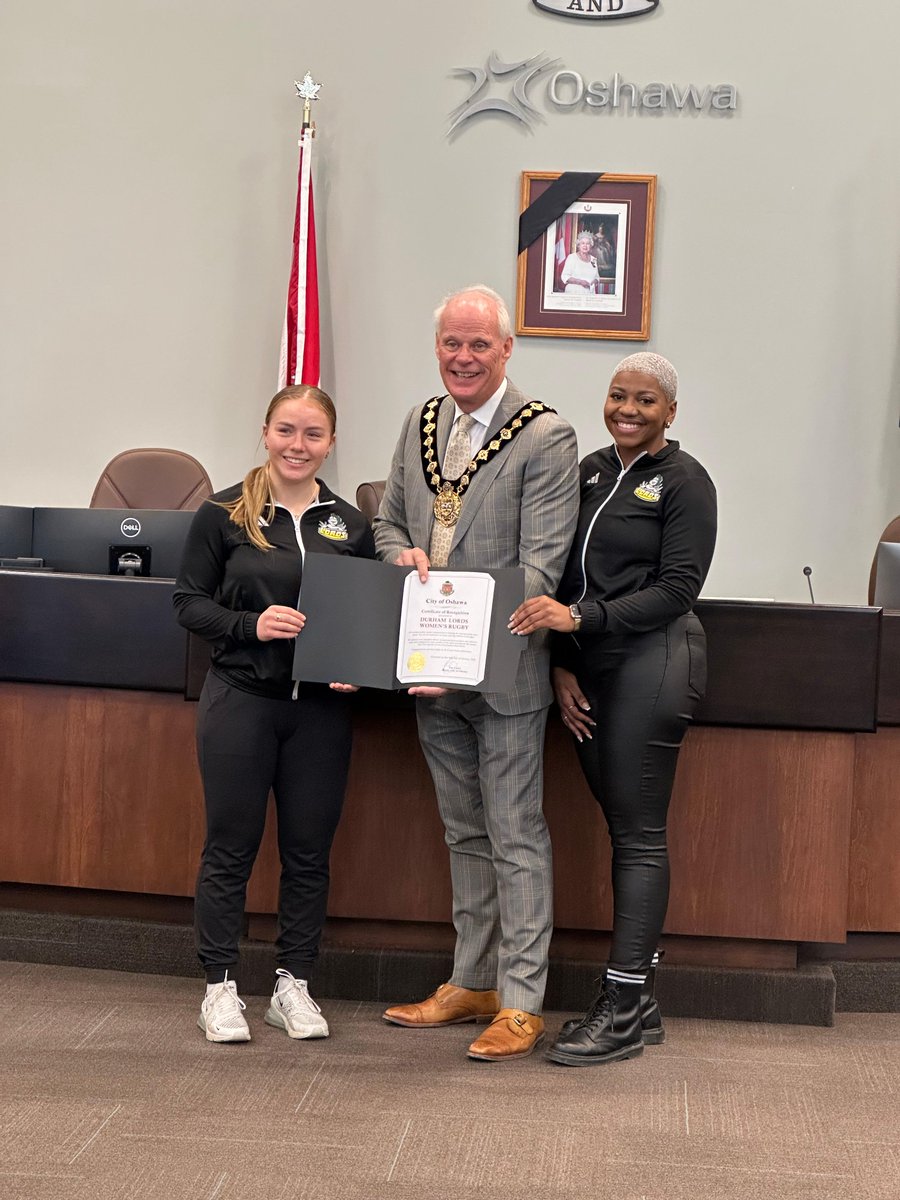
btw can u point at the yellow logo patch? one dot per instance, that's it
(334, 529)
(650, 490)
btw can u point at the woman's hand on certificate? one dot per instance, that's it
(430, 692)
(279, 621)
(573, 705)
(542, 612)
(344, 687)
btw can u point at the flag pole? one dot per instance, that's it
(299, 359)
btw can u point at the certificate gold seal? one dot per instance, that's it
(416, 663)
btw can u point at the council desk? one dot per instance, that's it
(784, 818)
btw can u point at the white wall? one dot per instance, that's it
(148, 186)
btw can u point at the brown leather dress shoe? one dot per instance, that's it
(511, 1034)
(449, 1005)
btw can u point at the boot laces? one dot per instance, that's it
(603, 1007)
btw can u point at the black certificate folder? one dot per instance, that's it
(352, 630)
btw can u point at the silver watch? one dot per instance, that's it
(575, 613)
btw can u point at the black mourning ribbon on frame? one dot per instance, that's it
(541, 213)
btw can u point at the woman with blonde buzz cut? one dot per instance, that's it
(629, 668)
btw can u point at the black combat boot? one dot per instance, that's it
(610, 1031)
(652, 1030)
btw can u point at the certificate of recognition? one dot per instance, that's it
(444, 628)
(377, 625)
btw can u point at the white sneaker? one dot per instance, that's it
(222, 1016)
(294, 1010)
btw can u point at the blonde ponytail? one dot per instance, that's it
(255, 503)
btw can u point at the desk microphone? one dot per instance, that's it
(807, 571)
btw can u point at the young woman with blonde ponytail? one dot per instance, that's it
(257, 730)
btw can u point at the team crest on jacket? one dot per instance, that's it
(334, 529)
(650, 490)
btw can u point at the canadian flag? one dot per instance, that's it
(299, 361)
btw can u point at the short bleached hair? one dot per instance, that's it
(504, 324)
(652, 364)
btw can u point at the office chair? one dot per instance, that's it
(891, 534)
(152, 478)
(368, 498)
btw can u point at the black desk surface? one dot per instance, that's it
(790, 666)
(779, 666)
(102, 631)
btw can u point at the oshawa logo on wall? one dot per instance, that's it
(598, 10)
(567, 90)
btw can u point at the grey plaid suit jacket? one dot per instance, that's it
(520, 510)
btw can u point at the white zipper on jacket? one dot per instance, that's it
(587, 536)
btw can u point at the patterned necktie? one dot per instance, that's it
(457, 457)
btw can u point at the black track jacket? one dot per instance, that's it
(225, 582)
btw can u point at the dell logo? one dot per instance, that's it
(130, 527)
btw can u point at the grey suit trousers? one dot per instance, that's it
(488, 775)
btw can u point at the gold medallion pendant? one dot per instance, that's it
(447, 506)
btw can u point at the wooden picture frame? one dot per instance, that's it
(567, 289)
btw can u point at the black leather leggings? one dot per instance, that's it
(643, 690)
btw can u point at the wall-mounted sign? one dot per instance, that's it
(598, 10)
(512, 88)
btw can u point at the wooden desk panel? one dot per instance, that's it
(758, 834)
(44, 733)
(875, 838)
(144, 823)
(101, 790)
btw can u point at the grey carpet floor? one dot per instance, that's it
(108, 1091)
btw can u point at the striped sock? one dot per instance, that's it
(613, 975)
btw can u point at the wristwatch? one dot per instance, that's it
(575, 613)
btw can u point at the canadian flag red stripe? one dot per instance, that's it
(299, 361)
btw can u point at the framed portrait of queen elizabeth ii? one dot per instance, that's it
(586, 255)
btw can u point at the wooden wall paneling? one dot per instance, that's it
(390, 861)
(759, 835)
(49, 738)
(875, 838)
(144, 821)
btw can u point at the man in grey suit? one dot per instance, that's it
(484, 478)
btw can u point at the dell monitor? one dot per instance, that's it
(15, 531)
(111, 541)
